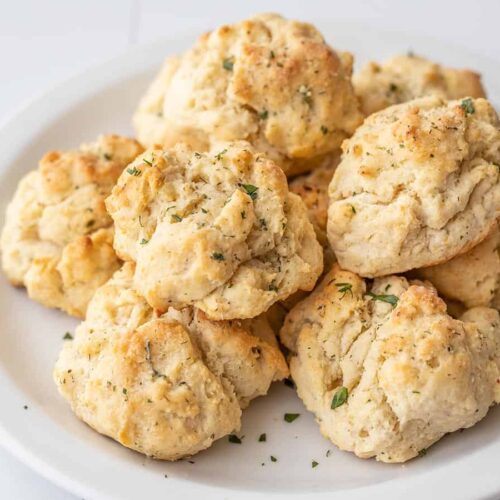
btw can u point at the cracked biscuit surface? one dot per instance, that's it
(216, 230)
(403, 78)
(57, 239)
(386, 371)
(418, 184)
(167, 386)
(267, 80)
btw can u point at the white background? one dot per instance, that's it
(45, 42)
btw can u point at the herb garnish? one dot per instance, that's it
(150, 163)
(343, 288)
(314, 464)
(263, 114)
(134, 171)
(340, 397)
(174, 218)
(290, 417)
(233, 438)
(251, 190)
(107, 156)
(468, 106)
(273, 459)
(422, 452)
(228, 63)
(262, 438)
(143, 241)
(390, 299)
(324, 130)
(68, 336)
(217, 256)
(219, 156)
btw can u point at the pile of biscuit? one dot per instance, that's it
(272, 195)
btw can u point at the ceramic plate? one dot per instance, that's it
(50, 439)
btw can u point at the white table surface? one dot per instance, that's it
(45, 42)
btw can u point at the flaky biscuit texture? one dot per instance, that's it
(386, 371)
(267, 80)
(406, 77)
(57, 239)
(167, 386)
(418, 184)
(216, 230)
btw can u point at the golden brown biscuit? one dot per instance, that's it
(267, 80)
(166, 386)
(313, 189)
(403, 78)
(386, 371)
(418, 184)
(215, 230)
(57, 239)
(471, 278)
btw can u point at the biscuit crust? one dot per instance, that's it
(267, 80)
(57, 239)
(216, 230)
(165, 385)
(418, 184)
(472, 278)
(408, 373)
(406, 77)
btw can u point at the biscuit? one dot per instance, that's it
(418, 184)
(386, 371)
(267, 80)
(216, 230)
(403, 78)
(472, 278)
(57, 239)
(165, 385)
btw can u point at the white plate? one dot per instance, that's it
(49, 438)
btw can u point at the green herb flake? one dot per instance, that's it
(262, 438)
(251, 190)
(233, 438)
(107, 156)
(468, 106)
(344, 288)
(134, 171)
(324, 130)
(204, 211)
(124, 390)
(143, 241)
(174, 218)
(197, 155)
(290, 417)
(228, 63)
(273, 459)
(68, 336)
(263, 114)
(422, 452)
(150, 163)
(339, 398)
(314, 464)
(390, 299)
(243, 215)
(217, 256)
(353, 209)
(219, 155)
(272, 287)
